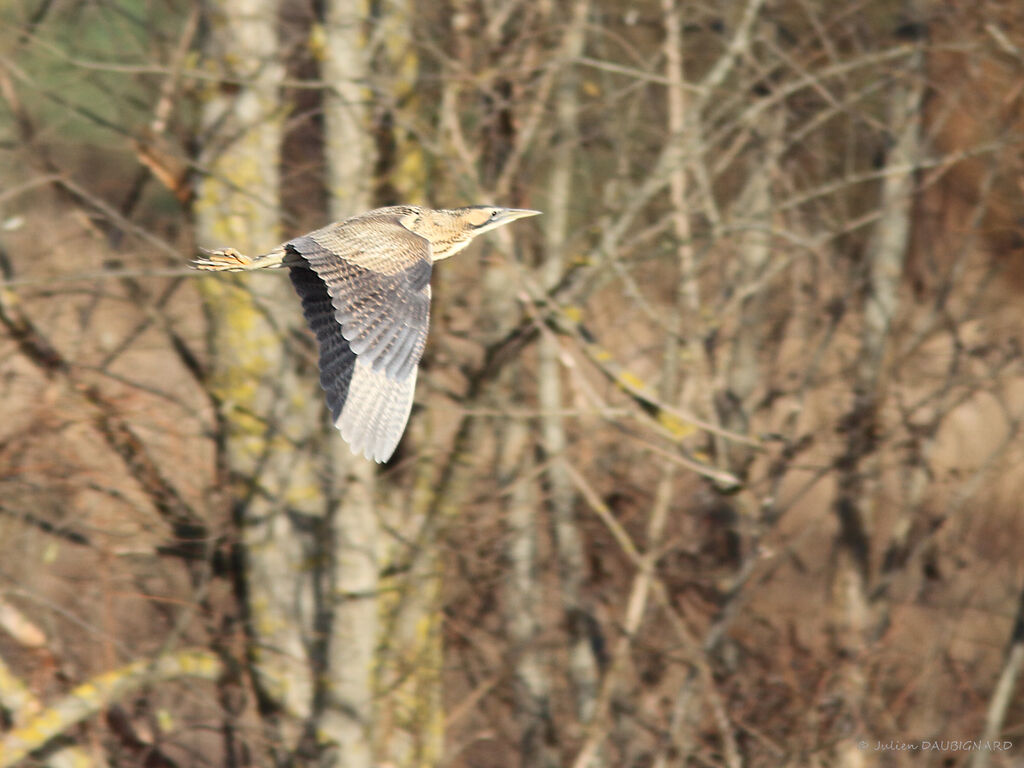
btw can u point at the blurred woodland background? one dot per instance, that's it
(717, 463)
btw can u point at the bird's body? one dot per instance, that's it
(365, 288)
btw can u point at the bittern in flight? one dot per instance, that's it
(365, 289)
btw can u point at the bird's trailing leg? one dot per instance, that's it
(227, 259)
(230, 260)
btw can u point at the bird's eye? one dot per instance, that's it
(494, 214)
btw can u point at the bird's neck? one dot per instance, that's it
(446, 250)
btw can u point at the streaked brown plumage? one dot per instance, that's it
(365, 289)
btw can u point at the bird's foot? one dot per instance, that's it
(225, 259)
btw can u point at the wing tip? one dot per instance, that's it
(373, 447)
(375, 411)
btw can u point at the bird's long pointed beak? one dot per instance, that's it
(511, 214)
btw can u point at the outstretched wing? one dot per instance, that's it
(365, 290)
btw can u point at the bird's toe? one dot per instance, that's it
(222, 259)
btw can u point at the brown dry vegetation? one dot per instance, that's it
(856, 574)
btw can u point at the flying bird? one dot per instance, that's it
(365, 288)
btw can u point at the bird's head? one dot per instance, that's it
(478, 219)
(451, 230)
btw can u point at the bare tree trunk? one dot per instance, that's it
(583, 668)
(743, 371)
(669, 389)
(349, 551)
(851, 619)
(525, 603)
(264, 407)
(352, 547)
(684, 131)
(1003, 693)
(386, 634)
(347, 135)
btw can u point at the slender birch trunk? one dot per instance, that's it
(852, 612)
(686, 300)
(264, 407)
(352, 546)
(583, 668)
(743, 372)
(525, 603)
(1002, 696)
